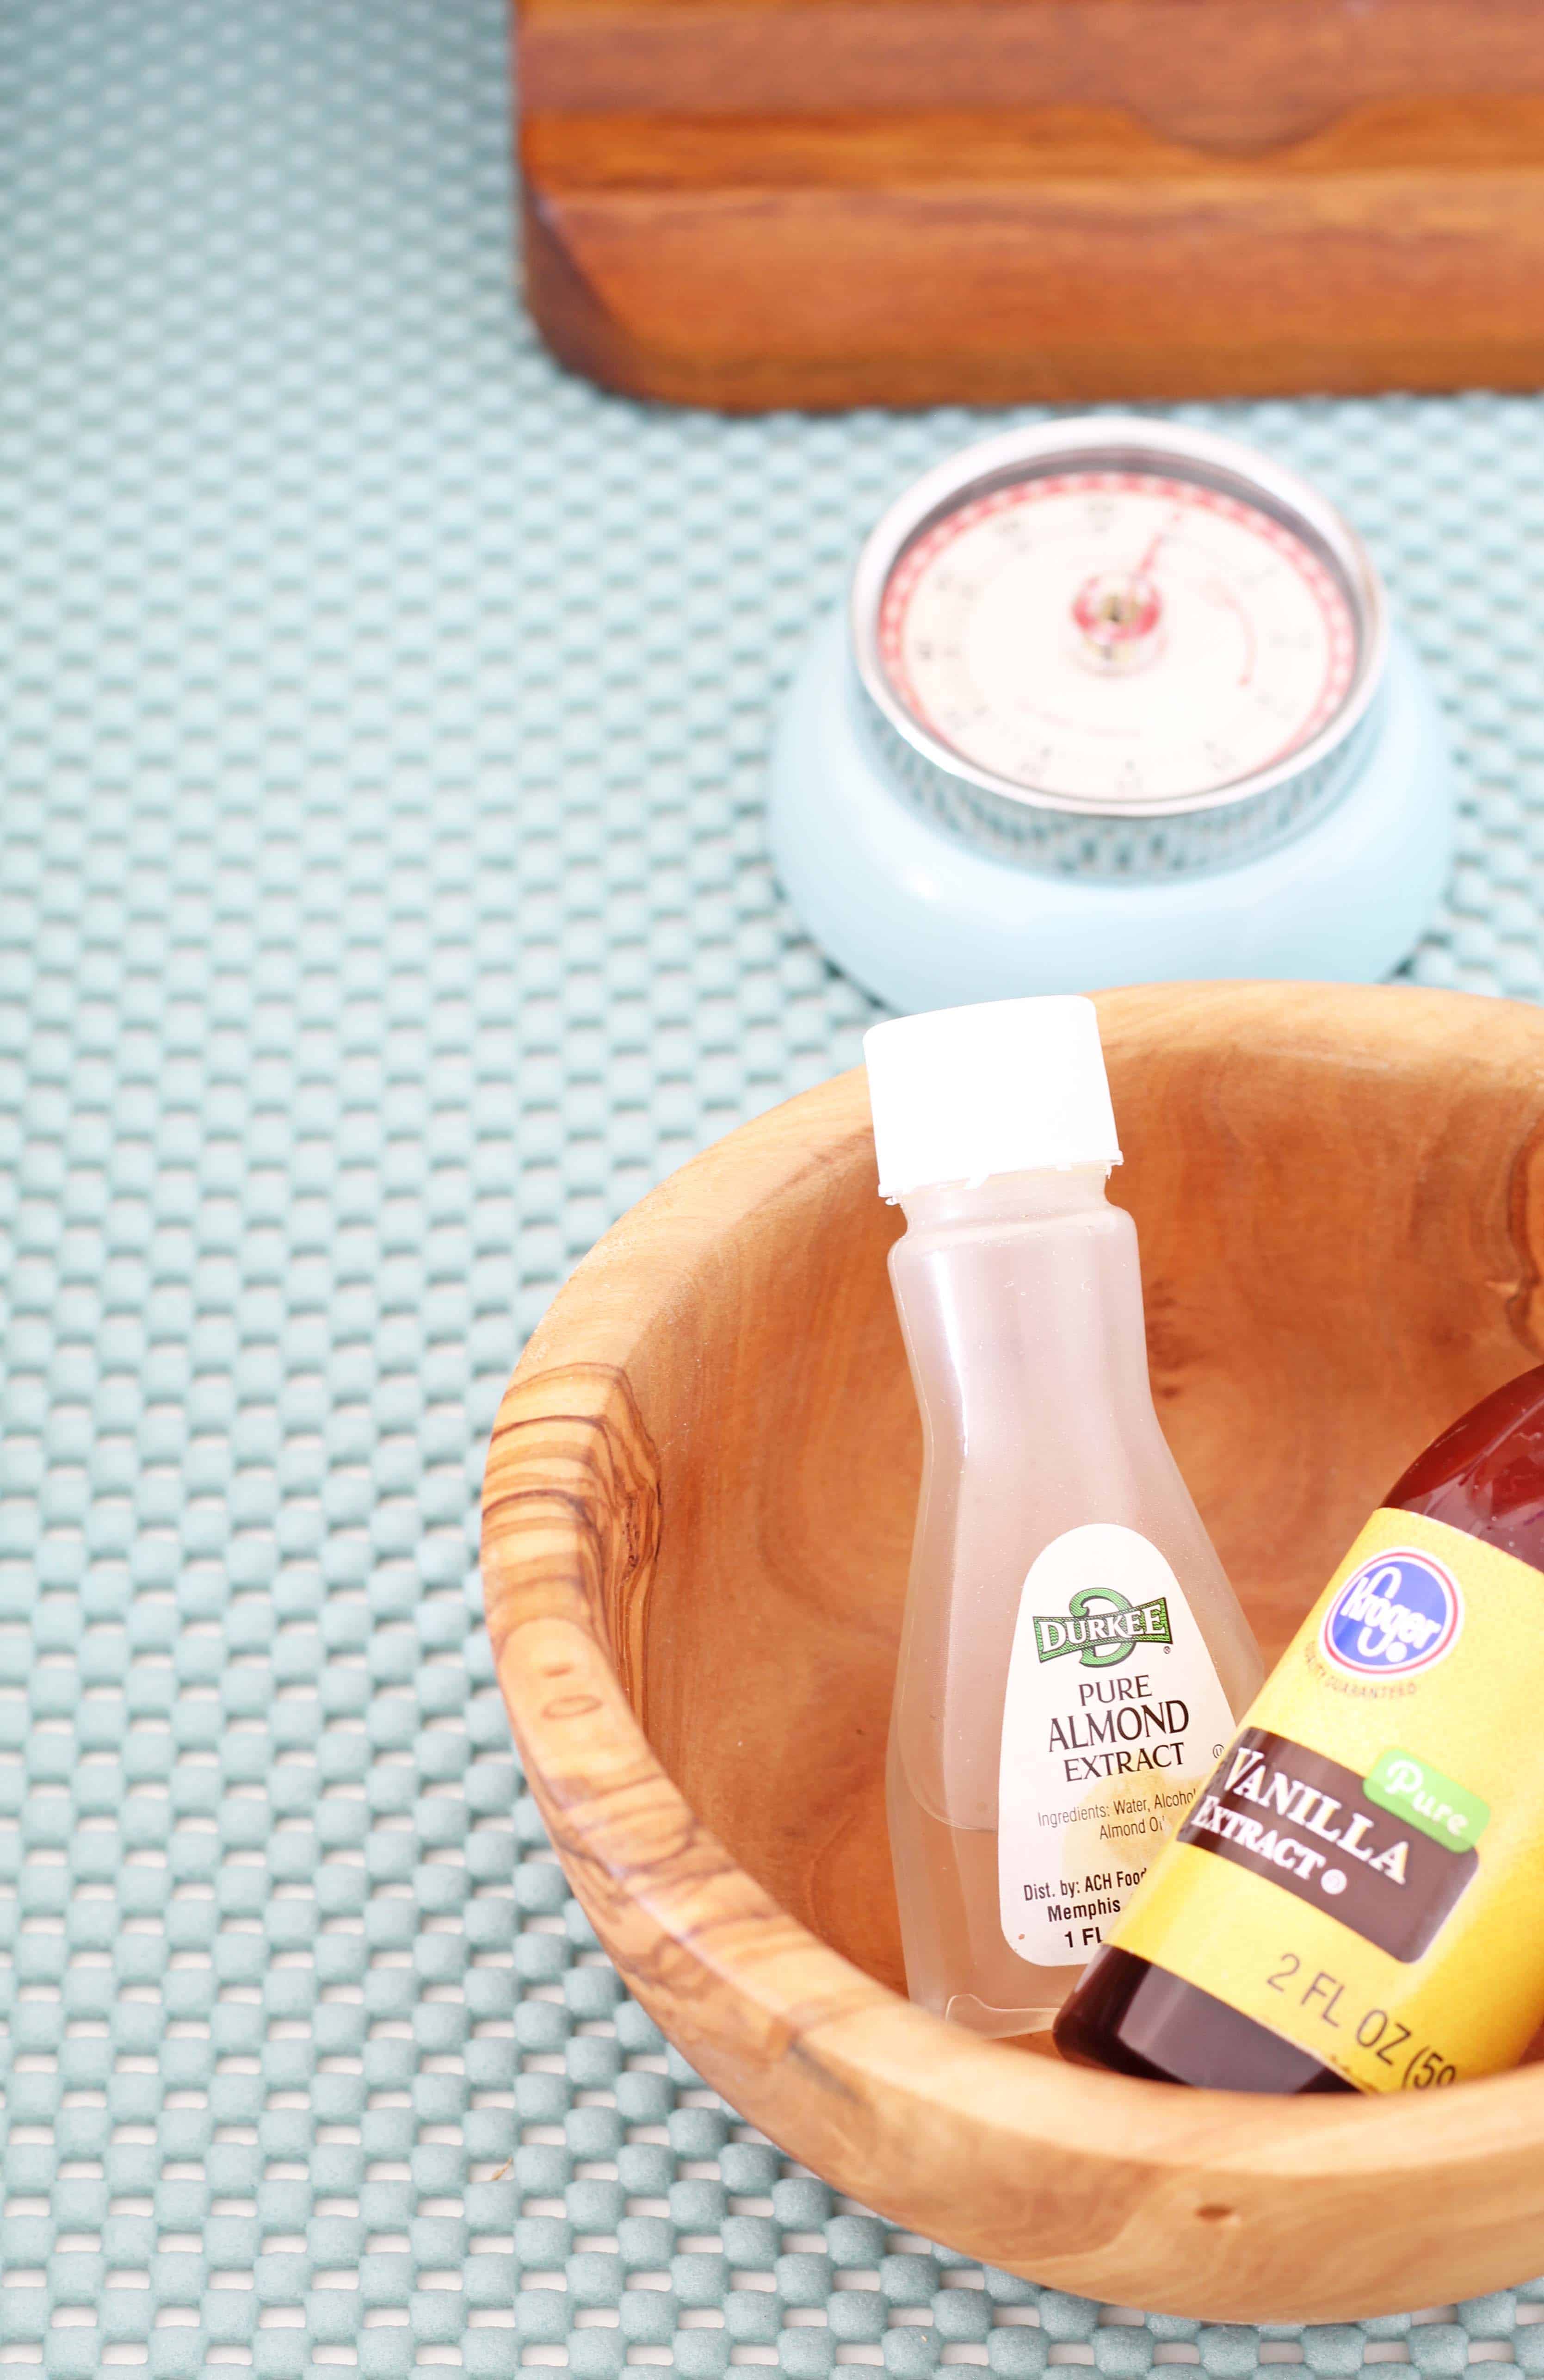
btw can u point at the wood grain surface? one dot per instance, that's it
(697, 1523)
(825, 202)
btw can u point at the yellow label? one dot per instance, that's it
(1363, 1872)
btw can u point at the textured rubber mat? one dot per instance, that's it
(383, 906)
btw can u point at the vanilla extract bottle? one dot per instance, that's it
(1072, 1656)
(1351, 1904)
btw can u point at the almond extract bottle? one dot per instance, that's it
(1354, 1902)
(1072, 1658)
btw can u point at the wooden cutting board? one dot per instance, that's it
(751, 203)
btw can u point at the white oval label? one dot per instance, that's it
(1113, 1720)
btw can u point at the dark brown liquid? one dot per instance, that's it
(1484, 1475)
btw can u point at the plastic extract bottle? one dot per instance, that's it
(1353, 1903)
(1072, 1656)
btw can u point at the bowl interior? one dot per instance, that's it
(1331, 1203)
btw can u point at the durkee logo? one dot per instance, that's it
(1102, 1627)
(1398, 1613)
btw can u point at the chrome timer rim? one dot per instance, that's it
(1105, 834)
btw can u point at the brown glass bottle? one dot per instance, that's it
(1485, 1475)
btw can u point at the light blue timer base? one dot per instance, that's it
(923, 918)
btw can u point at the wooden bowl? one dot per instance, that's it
(697, 1516)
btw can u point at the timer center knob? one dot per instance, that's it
(1119, 618)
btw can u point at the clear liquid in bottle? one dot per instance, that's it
(1072, 1654)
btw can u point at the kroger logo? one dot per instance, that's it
(1398, 1613)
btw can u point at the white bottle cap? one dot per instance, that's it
(1012, 1086)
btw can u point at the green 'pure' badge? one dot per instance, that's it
(1414, 1791)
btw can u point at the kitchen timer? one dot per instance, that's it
(1114, 700)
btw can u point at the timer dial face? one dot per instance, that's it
(1117, 636)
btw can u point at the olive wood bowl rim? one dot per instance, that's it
(544, 1498)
